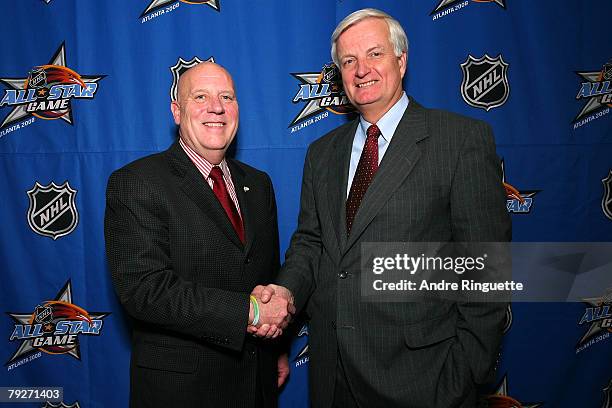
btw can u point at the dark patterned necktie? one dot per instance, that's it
(366, 169)
(220, 190)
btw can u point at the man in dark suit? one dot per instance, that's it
(189, 233)
(399, 173)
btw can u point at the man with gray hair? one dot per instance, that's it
(399, 173)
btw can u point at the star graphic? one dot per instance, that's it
(596, 326)
(313, 106)
(26, 347)
(593, 103)
(447, 3)
(304, 351)
(158, 4)
(510, 189)
(19, 112)
(501, 398)
(328, 77)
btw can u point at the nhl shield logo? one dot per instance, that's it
(179, 68)
(52, 210)
(606, 72)
(606, 200)
(485, 82)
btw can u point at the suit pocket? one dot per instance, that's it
(158, 357)
(429, 332)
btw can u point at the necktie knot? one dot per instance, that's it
(373, 131)
(216, 174)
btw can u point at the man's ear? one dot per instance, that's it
(402, 63)
(176, 112)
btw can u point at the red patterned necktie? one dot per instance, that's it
(366, 169)
(220, 190)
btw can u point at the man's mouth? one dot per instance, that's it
(214, 124)
(366, 84)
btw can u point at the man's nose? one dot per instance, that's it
(216, 106)
(363, 68)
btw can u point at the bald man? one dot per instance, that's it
(189, 233)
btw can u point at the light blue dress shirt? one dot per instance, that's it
(387, 125)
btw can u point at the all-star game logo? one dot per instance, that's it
(52, 211)
(53, 327)
(158, 7)
(606, 200)
(46, 92)
(502, 398)
(302, 356)
(595, 89)
(517, 202)
(323, 93)
(485, 82)
(597, 318)
(446, 7)
(179, 68)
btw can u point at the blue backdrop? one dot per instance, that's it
(85, 88)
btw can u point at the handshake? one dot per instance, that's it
(270, 311)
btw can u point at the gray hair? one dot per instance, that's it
(397, 36)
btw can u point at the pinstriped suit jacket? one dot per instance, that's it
(439, 181)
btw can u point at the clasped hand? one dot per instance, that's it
(275, 311)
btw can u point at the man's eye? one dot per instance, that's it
(227, 97)
(199, 97)
(376, 54)
(348, 61)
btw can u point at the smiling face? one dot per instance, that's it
(371, 72)
(206, 110)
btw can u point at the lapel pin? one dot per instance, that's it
(245, 189)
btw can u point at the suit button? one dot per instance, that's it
(343, 275)
(247, 261)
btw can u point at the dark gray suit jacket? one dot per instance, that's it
(439, 181)
(184, 277)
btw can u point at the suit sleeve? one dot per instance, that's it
(302, 257)
(478, 214)
(139, 257)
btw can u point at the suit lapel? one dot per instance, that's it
(198, 190)
(399, 160)
(337, 178)
(241, 184)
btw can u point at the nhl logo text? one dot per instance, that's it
(485, 82)
(52, 211)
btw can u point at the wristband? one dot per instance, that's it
(255, 310)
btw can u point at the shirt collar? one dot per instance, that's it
(388, 123)
(203, 165)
